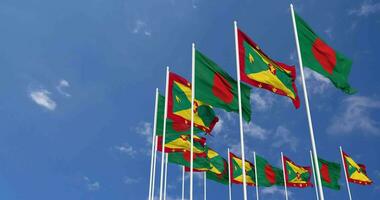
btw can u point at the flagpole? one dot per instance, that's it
(164, 132)
(313, 145)
(192, 118)
(166, 174)
(283, 169)
(315, 181)
(240, 111)
(204, 186)
(256, 179)
(183, 182)
(345, 173)
(154, 167)
(153, 145)
(229, 175)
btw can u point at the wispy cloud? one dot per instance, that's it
(91, 185)
(145, 129)
(218, 127)
(130, 180)
(365, 9)
(316, 83)
(255, 131)
(262, 101)
(328, 32)
(126, 149)
(356, 115)
(141, 27)
(283, 137)
(41, 97)
(275, 190)
(61, 86)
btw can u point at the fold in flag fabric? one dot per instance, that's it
(217, 88)
(182, 143)
(236, 171)
(330, 174)
(295, 175)
(259, 70)
(200, 160)
(320, 57)
(179, 105)
(267, 175)
(173, 128)
(356, 173)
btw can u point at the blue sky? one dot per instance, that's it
(78, 81)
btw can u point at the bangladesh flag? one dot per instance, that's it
(320, 57)
(179, 105)
(267, 175)
(236, 171)
(200, 160)
(356, 173)
(182, 143)
(173, 128)
(217, 88)
(259, 70)
(295, 175)
(330, 174)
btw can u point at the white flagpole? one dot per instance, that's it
(192, 118)
(166, 174)
(154, 167)
(315, 180)
(283, 169)
(313, 145)
(256, 179)
(229, 176)
(183, 182)
(240, 111)
(204, 186)
(345, 173)
(164, 133)
(153, 145)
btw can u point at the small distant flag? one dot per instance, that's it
(295, 175)
(356, 173)
(330, 173)
(182, 143)
(268, 175)
(236, 171)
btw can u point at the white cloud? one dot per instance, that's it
(275, 190)
(283, 137)
(141, 27)
(91, 185)
(328, 32)
(365, 9)
(41, 97)
(218, 127)
(316, 83)
(129, 180)
(126, 149)
(60, 87)
(145, 129)
(356, 115)
(262, 101)
(255, 131)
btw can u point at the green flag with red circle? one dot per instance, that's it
(268, 175)
(320, 57)
(217, 88)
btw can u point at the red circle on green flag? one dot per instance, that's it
(325, 55)
(222, 89)
(269, 174)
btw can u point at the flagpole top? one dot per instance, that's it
(193, 45)
(156, 90)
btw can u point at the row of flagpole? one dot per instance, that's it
(163, 174)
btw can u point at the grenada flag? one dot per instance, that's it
(236, 171)
(295, 175)
(356, 173)
(259, 70)
(179, 105)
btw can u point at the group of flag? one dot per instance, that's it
(215, 88)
